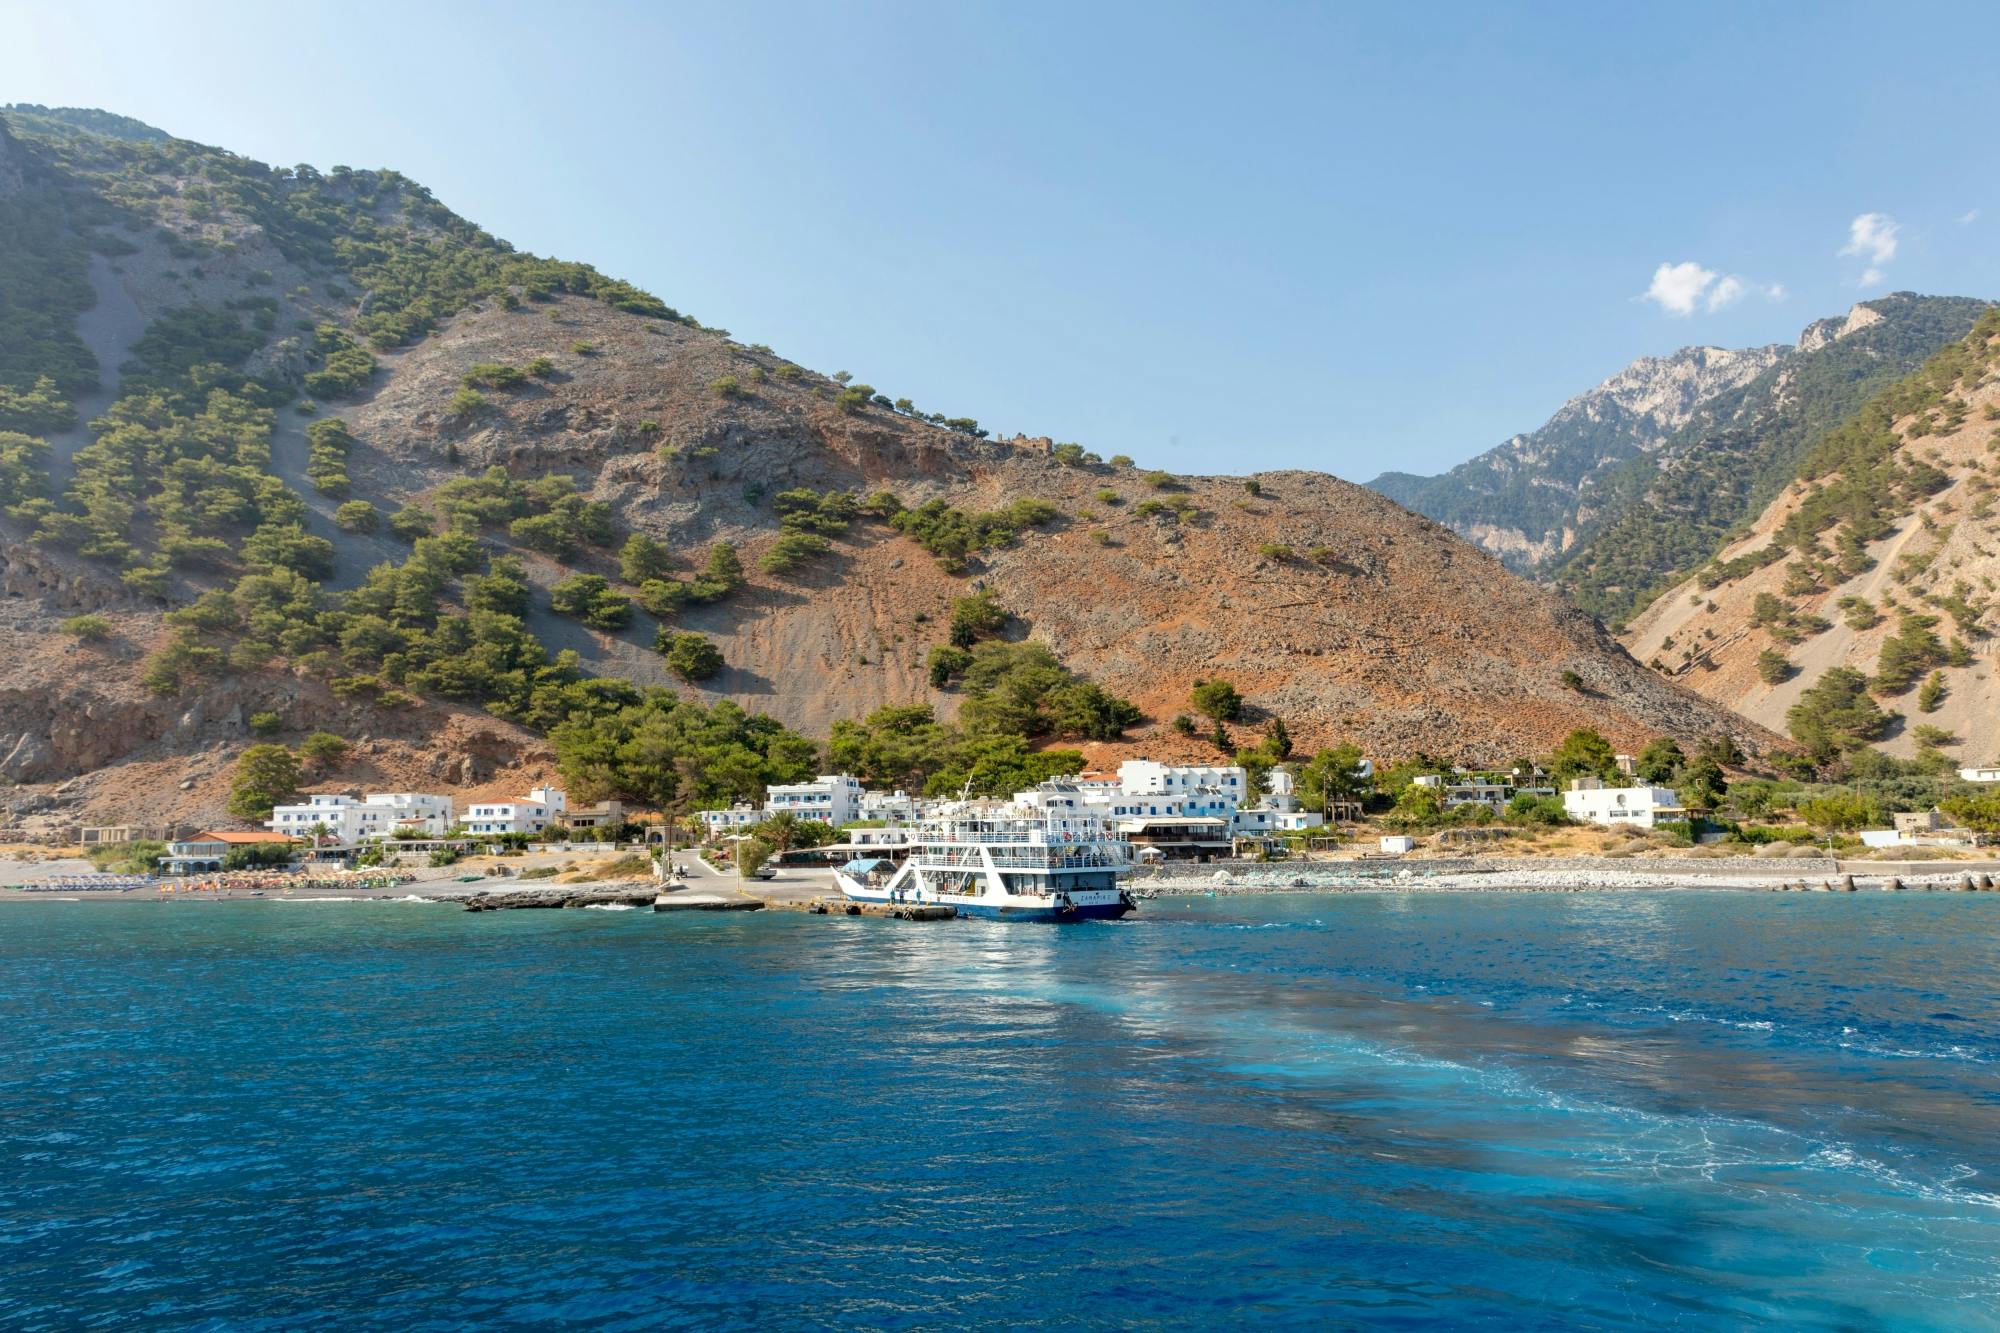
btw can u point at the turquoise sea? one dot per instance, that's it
(1591, 1111)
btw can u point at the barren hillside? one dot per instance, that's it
(1330, 607)
(1932, 551)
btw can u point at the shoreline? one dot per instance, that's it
(1572, 875)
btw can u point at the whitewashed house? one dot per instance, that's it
(1278, 811)
(1147, 777)
(831, 798)
(1590, 801)
(415, 814)
(1468, 789)
(722, 823)
(542, 807)
(343, 821)
(1979, 774)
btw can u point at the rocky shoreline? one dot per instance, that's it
(1577, 875)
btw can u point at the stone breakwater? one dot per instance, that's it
(635, 894)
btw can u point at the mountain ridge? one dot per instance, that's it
(1606, 503)
(306, 370)
(1517, 498)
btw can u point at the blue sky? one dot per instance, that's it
(1216, 238)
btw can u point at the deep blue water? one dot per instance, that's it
(1697, 1110)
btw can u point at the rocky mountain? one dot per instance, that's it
(1641, 479)
(1877, 565)
(287, 451)
(1525, 498)
(1661, 515)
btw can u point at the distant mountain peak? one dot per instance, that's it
(1667, 389)
(1823, 331)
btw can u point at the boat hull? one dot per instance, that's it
(1054, 915)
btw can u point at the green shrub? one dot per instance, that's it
(323, 749)
(493, 375)
(1217, 700)
(1835, 716)
(357, 516)
(412, 522)
(1276, 551)
(541, 368)
(954, 535)
(266, 775)
(791, 550)
(644, 558)
(1931, 695)
(1773, 667)
(466, 403)
(727, 387)
(346, 366)
(690, 656)
(590, 598)
(975, 616)
(947, 662)
(89, 628)
(327, 447)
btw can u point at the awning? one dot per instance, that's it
(865, 865)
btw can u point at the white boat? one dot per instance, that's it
(1044, 856)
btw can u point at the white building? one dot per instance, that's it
(720, 823)
(1279, 811)
(344, 821)
(1147, 777)
(1467, 789)
(1641, 807)
(415, 814)
(542, 807)
(831, 798)
(1979, 774)
(890, 807)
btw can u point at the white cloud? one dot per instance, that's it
(1678, 288)
(1968, 217)
(1726, 292)
(1872, 237)
(1871, 276)
(1681, 289)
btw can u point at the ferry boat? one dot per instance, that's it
(1044, 856)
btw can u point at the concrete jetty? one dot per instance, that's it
(705, 900)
